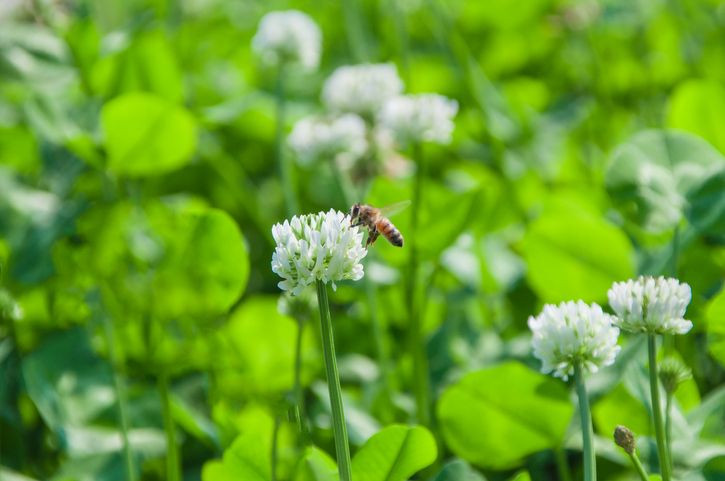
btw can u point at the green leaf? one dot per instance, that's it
(522, 476)
(620, 407)
(497, 416)
(573, 254)
(257, 355)
(147, 135)
(247, 459)
(458, 470)
(394, 454)
(316, 465)
(698, 106)
(68, 383)
(651, 175)
(715, 317)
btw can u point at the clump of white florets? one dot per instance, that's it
(288, 36)
(418, 118)
(361, 89)
(342, 138)
(314, 247)
(571, 333)
(653, 305)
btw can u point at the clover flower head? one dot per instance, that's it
(342, 138)
(573, 332)
(361, 89)
(314, 247)
(288, 36)
(421, 117)
(653, 305)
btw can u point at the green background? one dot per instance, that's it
(138, 189)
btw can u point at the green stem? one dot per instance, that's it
(350, 198)
(657, 409)
(173, 469)
(275, 434)
(562, 467)
(342, 449)
(668, 427)
(297, 388)
(417, 341)
(353, 27)
(590, 458)
(121, 394)
(638, 466)
(283, 164)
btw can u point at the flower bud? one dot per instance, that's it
(672, 373)
(624, 438)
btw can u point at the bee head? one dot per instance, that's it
(354, 211)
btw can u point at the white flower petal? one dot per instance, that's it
(653, 305)
(573, 332)
(319, 246)
(288, 36)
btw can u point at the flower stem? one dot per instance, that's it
(342, 448)
(668, 427)
(122, 396)
(275, 435)
(417, 341)
(657, 409)
(283, 164)
(349, 196)
(353, 28)
(590, 459)
(638, 466)
(172, 451)
(298, 408)
(562, 467)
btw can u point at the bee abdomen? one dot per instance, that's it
(390, 232)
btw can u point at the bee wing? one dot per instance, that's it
(393, 209)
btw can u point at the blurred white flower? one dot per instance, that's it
(421, 117)
(314, 247)
(288, 36)
(361, 89)
(573, 332)
(654, 305)
(341, 138)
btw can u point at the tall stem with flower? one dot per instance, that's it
(576, 338)
(320, 249)
(653, 306)
(414, 119)
(285, 39)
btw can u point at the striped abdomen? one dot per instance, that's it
(389, 231)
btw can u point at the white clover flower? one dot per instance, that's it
(341, 138)
(288, 36)
(654, 305)
(361, 89)
(573, 332)
(314, 247)
(421, 117)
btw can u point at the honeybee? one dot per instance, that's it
(377, 222)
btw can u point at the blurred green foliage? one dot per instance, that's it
(138, 189)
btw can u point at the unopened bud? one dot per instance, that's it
(672, 373)
(624, 438)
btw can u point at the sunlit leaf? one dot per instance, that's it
(571, 254)
(495, 417)
(394, 454)
(147, 135)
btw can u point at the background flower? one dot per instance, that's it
(573, 332)
(422, 117)
(288, 36)
(361, 89)
(314, 247)
(341, 138)
(648, 304)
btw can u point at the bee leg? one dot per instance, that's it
(372, 236)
